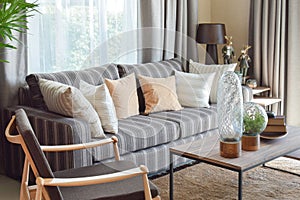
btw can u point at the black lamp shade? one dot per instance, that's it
(211, 33)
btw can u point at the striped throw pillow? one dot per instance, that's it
(199, 68)
(69, 101)
(193, 89)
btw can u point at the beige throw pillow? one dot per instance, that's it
(124, 96)
(102, 102)
(68, 100)
(199, 68)
(193, 89)
(160, 94)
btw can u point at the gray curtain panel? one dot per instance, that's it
(167, 28)
(274, 37)
(12, 74)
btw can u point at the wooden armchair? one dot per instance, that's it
(115, 180)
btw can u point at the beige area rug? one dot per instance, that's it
(204, 181)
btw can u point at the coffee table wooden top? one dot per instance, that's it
(207, 150)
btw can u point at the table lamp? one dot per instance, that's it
(211, 34)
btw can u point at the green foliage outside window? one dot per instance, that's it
(82, 38)
(13, 17)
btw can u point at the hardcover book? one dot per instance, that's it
(277, 120)
(275, 128)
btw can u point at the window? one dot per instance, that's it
(74, 34)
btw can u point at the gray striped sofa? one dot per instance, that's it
(142, 139)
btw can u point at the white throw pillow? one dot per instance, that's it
(102, 102)
(69, 101)
(199, 68)
(193, 89)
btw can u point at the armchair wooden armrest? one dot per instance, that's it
(71, 147)
(90, 180)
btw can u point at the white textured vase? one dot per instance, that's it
(230, 114)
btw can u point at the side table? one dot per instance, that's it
(260, 97)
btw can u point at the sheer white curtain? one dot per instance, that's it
(74, 34)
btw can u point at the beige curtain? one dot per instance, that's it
(274, 37)
(293, 63)
(167, 28)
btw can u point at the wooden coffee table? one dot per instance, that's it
(207, 150)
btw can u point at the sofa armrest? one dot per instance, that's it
(50, 129)
(247, 93)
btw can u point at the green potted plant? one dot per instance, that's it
(255, 120)
(13, 18)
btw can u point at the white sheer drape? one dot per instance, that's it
(73, 34)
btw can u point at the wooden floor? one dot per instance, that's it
(9, 188)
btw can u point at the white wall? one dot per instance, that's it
(234, 14)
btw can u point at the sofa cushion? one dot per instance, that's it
(102, 102)
(138, 133)
(191, 120)
(193, 89)
(160, 69)
(219, 70)
(159, 93)
(124, 96)
(69, 101)
(94, 76)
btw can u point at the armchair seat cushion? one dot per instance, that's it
(132, 188)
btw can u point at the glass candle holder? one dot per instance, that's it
(230, 115)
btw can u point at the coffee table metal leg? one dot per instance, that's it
(240, 185)
(171, 176)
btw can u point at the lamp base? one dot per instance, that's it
(211, 54)
(250, 143)
(230, 149)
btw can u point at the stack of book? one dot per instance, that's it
(276, 125)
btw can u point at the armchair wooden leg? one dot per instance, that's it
(146, 183)
(24, 192)
(39, 190)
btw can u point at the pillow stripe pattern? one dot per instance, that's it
(69, 101)
(94, 76)
(193, 90)
(199, 68)
(160, 69)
